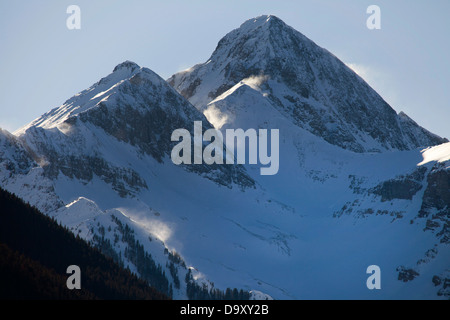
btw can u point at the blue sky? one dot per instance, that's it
(43, 63)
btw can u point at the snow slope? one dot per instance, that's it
(439, 153)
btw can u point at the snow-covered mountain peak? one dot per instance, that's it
(262, 45)
(261, 24)
(259, 21)
(126, 65)
(86, 99)
(122, 71)
(126, 79)
(307, 84)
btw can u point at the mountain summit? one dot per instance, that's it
(306, 83)
(132, 105)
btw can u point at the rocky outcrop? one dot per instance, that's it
(406, 274)
(436, 201)
(443, 283)
(402, 187)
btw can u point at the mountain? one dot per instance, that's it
(305, 83)
(358, 184)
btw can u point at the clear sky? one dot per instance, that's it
(43, 63)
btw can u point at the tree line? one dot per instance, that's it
(35, 252)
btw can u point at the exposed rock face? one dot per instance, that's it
(22, 174)
(416, 134)
(403, 187)
(436, 201)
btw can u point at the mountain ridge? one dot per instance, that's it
(315, 89)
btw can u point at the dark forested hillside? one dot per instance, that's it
(35, 252)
